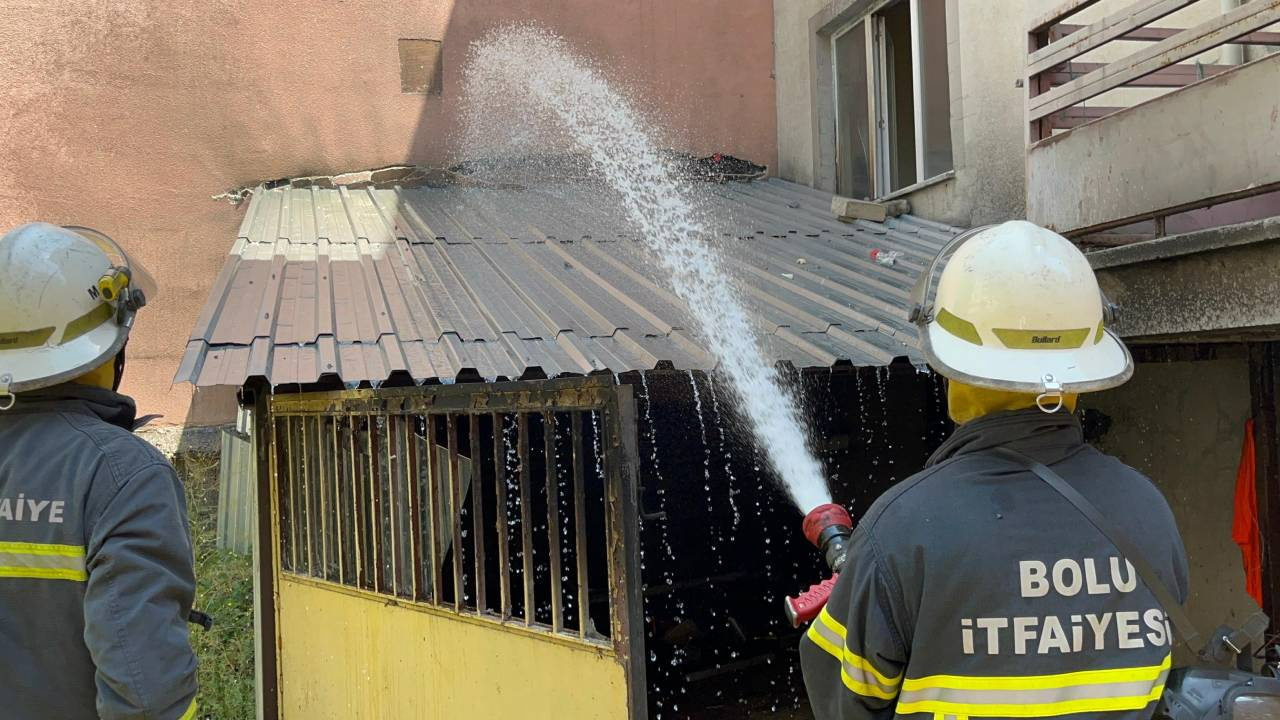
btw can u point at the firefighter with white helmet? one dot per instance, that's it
(1011, 302)
(96, 578)
(974, 589)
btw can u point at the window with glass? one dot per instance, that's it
(893, 104)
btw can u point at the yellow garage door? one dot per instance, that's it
(344, 656)
(456, 552)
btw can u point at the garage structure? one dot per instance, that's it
(499, 472)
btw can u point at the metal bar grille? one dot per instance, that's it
(335, 457)
(410, 516)
(394, 538)
(553, 519)
(322, 508)
(579, 516)
(526, 519)
(500, 510)
(288, 506)
(417, 493)
(307, 506)
(417, 499)
(375, 505)
(455, 511)
(477, 516)
(434, 492)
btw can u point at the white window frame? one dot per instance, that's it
(872, 22)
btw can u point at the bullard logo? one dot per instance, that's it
(1046, 339)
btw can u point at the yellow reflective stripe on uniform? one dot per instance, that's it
(42, 561)
(190, 714)
(1035, 696)
(42, 549)
(1034, 710)
(834, 625)
(12, 571)
(1040, 682)
(859, 675)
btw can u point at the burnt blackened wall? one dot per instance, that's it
(721, 540)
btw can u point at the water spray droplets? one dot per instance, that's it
(728, 459)
(563, 101)
(717, 536)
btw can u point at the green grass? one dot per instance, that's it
(224, 589)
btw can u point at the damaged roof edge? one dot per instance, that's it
(718, 167)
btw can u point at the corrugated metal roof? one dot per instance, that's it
(361, 283)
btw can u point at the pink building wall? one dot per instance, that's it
(129, 116)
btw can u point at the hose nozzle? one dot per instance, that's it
(828, 527)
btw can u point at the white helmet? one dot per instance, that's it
(68, 297)
(1018, 308)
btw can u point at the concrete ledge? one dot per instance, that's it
(1188, 243)
(1219, 283)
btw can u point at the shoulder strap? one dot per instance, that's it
(1131, 553)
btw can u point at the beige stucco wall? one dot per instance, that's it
(1182, 424)
(128, 115)
(987, 105)
(988, 49)
(794, 76)
(987, 42)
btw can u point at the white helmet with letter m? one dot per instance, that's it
(68, 297)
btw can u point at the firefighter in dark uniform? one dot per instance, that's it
(96, 580)
(973, 589)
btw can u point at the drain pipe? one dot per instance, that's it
(1232, 54)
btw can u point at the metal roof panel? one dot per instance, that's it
(361, 283)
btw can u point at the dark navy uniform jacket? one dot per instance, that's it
(974, 590)
(96, 574)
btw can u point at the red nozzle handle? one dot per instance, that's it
(806, 606)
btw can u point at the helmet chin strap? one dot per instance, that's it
(119, 369)
(1051, 400)
(1043, 400)
(7, 399)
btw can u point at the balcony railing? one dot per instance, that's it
(1059, 84)
(1152, 117)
